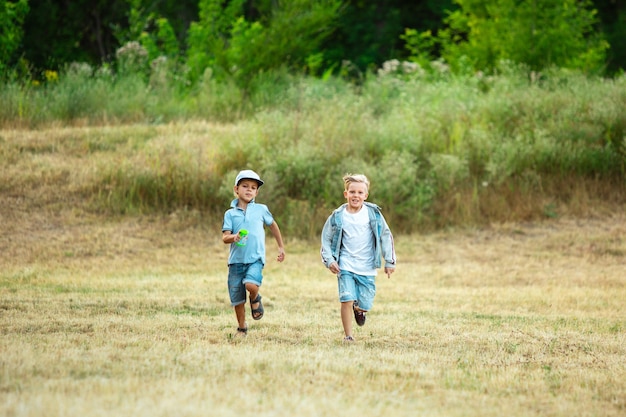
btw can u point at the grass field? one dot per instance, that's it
(130, 317)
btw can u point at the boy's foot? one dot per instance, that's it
(257, 313)
(348, 339)
(359, 315)
(242, 331)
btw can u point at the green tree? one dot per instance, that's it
(612, 15)
(208, 37)
(12, 14)
(368, 32)
(155, 33)
(285, 34)
(538, 33)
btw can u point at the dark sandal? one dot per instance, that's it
(257, 313)
(359, 315)
(242, 331)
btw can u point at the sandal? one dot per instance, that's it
(242, 331)
(359, 315)
(257, 313)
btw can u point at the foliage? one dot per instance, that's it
(239, 49)
(154, 32)
(365, 33)
(369, 32)
(421, 45)
(136, 23)
(58, 33)
(612, 16)
(12, 16)
(538, 33)
(132, 59)
(207, 37)
(435, 144)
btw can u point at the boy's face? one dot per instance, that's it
(356, 194)
(247, 190)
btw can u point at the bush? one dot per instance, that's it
(438, 150)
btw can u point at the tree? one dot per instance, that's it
(12, 16)
(538, 33)
(60, 32)
(285, 34)
(369, 32)
(612, 16)
(153, 31)
(208, 37)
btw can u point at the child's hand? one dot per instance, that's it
(389, 271)
(281, 255)
(334, 268)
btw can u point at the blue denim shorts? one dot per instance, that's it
(238, 276)
(361, 288)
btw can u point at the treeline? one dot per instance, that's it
(237, 39)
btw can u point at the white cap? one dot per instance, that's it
(248, 174)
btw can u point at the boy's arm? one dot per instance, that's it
(279, 240)
(390, 257)
(326, 252)
(229, 237)
(388, 247)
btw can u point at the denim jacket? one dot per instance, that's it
(383, 239)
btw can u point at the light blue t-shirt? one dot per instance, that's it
(254, 219)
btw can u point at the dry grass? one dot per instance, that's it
(130, 316)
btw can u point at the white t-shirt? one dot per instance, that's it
(357, 244)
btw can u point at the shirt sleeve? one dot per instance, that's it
(268, 219)
(227, 224)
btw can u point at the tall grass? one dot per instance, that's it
(439, 149)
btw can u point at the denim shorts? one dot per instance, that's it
(361, 288)
(238, 276)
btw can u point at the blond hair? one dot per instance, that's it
(350, 178)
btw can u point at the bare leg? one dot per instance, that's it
(240, 312)
(254, 292)
(346, 317)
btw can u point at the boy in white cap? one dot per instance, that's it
(243, 229)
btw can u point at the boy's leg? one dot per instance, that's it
(359, 314)
(237, 293)
(346, 317)
(253, 290)
(254, 293)
(347, 296)
(240, 312)
(253, 281)
(365, 292)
